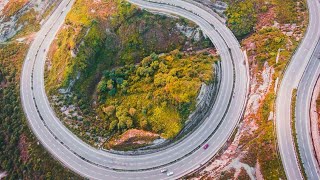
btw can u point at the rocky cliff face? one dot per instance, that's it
(15, 14)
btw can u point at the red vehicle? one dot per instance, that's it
(206, 146)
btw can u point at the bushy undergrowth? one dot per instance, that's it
(20, 155)
(89, 44)
(157, 95)
(242, 15)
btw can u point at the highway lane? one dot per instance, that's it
(122, 161)
(290, 81)
(51, 132)
(303, 128)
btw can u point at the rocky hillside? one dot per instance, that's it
(20, 16)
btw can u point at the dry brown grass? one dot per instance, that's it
(13, 6)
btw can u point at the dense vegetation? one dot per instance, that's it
(267, 50)
(242, 15)
(130, 35)
(21, 155)
(90, 43)
(286, 10)
(156, 95)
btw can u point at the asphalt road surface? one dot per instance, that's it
(303, 127)
(290, 81)
(180, 159)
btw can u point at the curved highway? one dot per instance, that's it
(180, 159)
(303, 107)
(290, 81)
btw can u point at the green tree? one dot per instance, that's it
(113, 125)
(102, 87)
(241, 17)
(112, 92)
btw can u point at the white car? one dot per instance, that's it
(170, 173)
(164, 170)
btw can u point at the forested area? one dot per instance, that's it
(91, 43)
(242, 15)
(156, 95)
(21, 155)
